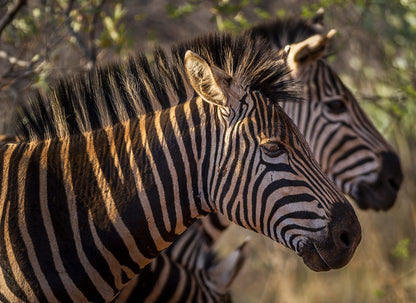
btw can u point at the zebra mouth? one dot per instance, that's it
(373, 196)
(380, 194)
(312, 258)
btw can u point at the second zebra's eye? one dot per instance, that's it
(336, 106)
(272, 148)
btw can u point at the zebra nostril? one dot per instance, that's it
(391, 174)
(344, 239)
(393, 184)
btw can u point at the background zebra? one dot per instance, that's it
(344, 141)
(102, 204)
(200, 279)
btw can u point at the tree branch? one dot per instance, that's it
(93, 51)
(11, 14)
(67, 22)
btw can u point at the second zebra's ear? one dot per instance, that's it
(318, 19)
(209, 82)
(307, 51)
(223, 274)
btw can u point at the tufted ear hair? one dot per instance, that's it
(307, 51)
(318, 19)
(223, 274)
(209, 82)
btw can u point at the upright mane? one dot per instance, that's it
(122, 90)
(282, 32)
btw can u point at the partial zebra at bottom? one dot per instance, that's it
(165, 280)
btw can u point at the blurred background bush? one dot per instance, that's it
(374, 52)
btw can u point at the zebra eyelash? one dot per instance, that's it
(336, 106)
(272, 149)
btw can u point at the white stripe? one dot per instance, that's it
(116, 161)
(14, 264)
(173, 174)
(105, 290)
(4, 188)
(111, 207)
(71, 288)
(155, 173)
(180, 286)
(31, 252)
(7, 154)
(112, 262)
(161, 281)
(21, 179)
(178, 136)
(160, 243)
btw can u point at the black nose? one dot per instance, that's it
(344, 236)
(346, 230)
(382, 194)
(391, 175)
(344, 239)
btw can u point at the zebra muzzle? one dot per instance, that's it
(335, 248)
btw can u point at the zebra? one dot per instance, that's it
(323, 91)
(188, 255)
(343, 140)
(200, 279)
(101, 204)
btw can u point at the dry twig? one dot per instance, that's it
(11, 14)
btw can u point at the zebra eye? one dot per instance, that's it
(336, 106)
(272, 149)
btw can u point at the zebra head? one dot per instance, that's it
(345, 143)
(262, 175)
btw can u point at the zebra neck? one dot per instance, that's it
(98, 207)
(147, 174)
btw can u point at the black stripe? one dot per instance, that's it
(133, 205)
(89, 197)
(58, 208)
(35, 222)
(188, 142)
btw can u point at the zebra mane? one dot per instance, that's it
(120, 91)
(282, 32)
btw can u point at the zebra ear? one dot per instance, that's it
(318, 19)
(209, 82)
(223, 274)
(307, 51)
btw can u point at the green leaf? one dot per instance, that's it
(261, 13)
(401, 251)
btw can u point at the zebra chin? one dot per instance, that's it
(381, 194)
(335, 248)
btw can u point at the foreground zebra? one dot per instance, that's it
(100, 205)
(354, 154)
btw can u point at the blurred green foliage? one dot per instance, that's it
(41, 31)
(227, 15)
(401, 251)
